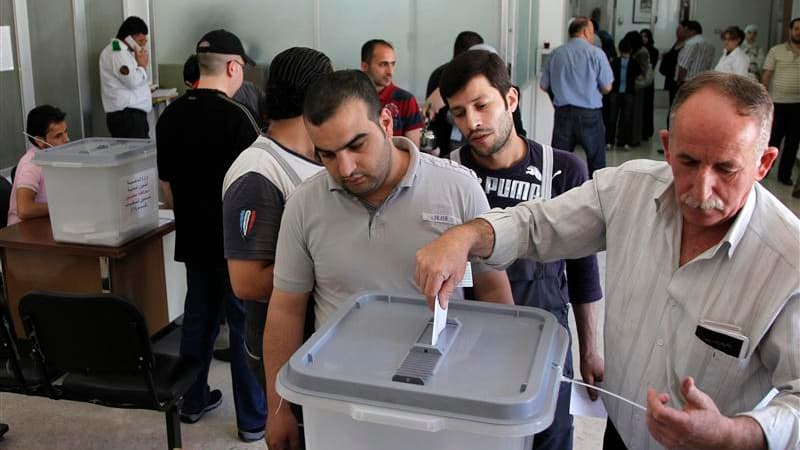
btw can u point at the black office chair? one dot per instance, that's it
(19, 372)
(101, 342)
(11, 379)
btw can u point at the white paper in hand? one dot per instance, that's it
(581, 405)
(440, 314)
(439, 320)
(467, 280)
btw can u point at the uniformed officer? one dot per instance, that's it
(124, 83)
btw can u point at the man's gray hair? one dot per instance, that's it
(750, 97)
(213, 63)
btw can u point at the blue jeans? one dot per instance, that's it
(583, 126)
(209, 291)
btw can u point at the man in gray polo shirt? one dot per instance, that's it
(357, 225)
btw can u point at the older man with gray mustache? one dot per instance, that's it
(702, 312)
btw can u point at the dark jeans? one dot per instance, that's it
(583, 126)
(786, 128)
(209, 291)
(128, 123)
(612, 439)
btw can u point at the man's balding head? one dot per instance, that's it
(579, 25)
(717, 148)
(749, 97)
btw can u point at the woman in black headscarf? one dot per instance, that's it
(641, 57)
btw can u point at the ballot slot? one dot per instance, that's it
(423, 358)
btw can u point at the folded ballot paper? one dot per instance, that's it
(440, 314)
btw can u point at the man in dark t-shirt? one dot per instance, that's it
(513, 169)
(257, 186)
(259, 182)
(441, 121)
(198, 137)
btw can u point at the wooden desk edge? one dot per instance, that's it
(10, 238)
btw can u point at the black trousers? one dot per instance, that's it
(618, 111)
(128, 123)
(785, 128)
(673, 91)
(611, 439)
(648, 128)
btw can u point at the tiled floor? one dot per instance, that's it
(44, 424)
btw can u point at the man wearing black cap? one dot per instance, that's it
(198, 137)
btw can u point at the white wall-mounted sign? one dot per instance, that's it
(6, 54)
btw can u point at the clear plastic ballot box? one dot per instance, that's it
(101, 191)
(369, 378)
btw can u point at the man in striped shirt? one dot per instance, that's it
(702, 279)
(378, 61)
(782, 67)
(697, 55)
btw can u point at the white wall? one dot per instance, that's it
(796, 9)
(552, 28)
(715, 16)
(585, 7)
(664, 31)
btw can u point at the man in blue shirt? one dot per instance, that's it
(576, 76)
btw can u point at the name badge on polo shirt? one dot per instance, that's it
(723, 337)
(440, 218)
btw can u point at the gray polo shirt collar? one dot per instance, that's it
(403, 143)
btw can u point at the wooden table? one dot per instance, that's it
(32, 260)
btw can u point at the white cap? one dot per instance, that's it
(751, 29)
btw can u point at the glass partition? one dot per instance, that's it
(55, 71)
(438, 24)
(12, 123)
(526, 41)
(266, 27)
(422, 31)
